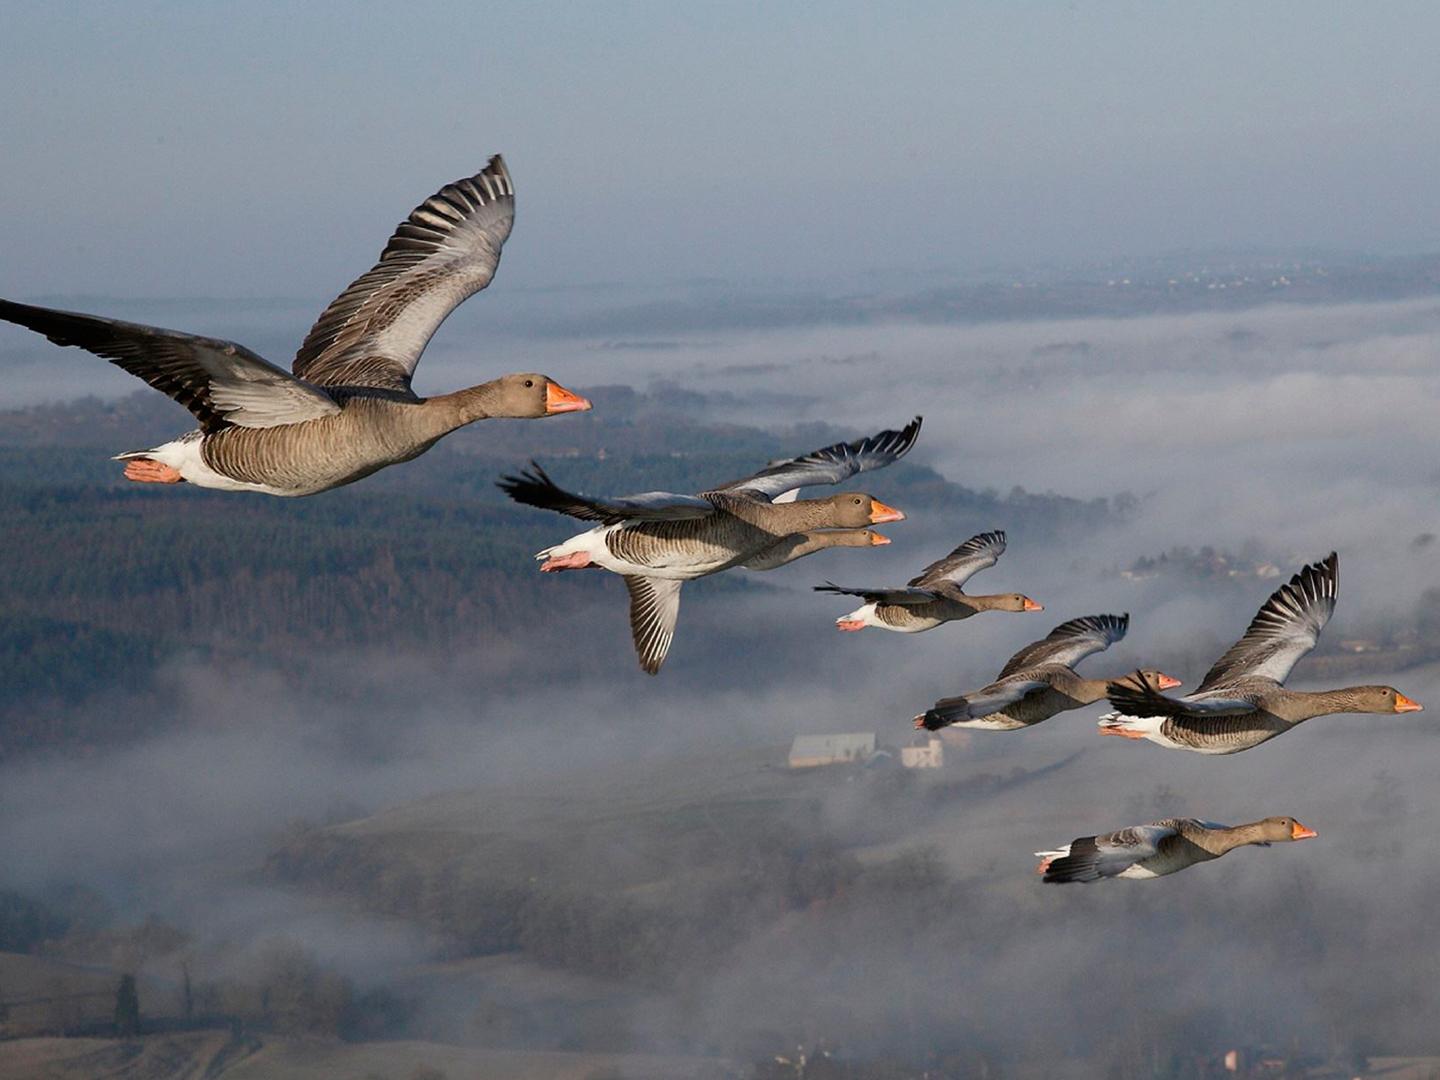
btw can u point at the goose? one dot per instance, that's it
(346, 408)
(797, 545)
(935, 595)
(1159, 848)
(1038, 681)
(1242, 701)
(658, 540)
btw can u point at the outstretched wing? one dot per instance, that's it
(965, 561)
(654, 607)
(533, 487)
(829, 464)
(1285, 628)
(1091, 858)
(220, 382)
(1070, 642)
(373, 333)
(1136, 696)
(882, 596)
(1000, 694)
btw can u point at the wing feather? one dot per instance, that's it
(1091, 858)
(829, 464)
(882, 596)
(999, 695)
(1286, 627)
(220, 382)
(1136, 696)
(654, 607)
(965, 561)
(373, 333)
(533, 487)
(1070, 642)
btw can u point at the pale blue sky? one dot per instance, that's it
(264, 149)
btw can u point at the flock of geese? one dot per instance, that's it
(346, 408)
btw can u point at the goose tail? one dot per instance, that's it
(1131, 727)
(943, 713)
(1047, 858)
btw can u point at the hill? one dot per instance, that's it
(118, 579)
(219, 1056)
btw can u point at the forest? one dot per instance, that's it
(420, 557)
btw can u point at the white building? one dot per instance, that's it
(807, 751)
(930, 755)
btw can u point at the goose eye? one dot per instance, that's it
(529, 382)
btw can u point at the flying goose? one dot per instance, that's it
(797, 545)
(658, 540)
(1160, 848)
(1241, 702)
(935, 595)
(1039, 680)
(346, 409)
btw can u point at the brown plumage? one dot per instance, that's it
(658, 540)
(347, 407)
(1242, 701)
(1039, 681)
(936, 595)
(1159, 848)
(797, 545)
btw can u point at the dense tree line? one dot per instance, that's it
(106, 581)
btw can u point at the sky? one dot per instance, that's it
(208, 149)
(202, 150)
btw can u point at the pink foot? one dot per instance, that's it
(578, 561)
(146, 471)
(1044, 865)
(1122, 732)
(850, 624)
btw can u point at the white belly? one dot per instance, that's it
(183, 455)
(592, 543)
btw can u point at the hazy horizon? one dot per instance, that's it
(748, 231)
(743, 142)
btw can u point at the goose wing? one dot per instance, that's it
(1135, 696)
(883, 596)
(964, 562)
(373, 333)
(828, 465)
(220, 382)
(1070, 642)
(654, 607)
(1284, 629)
(999, 695)
(533, 487)
(1091, 858)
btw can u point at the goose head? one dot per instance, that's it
(1148, 678)
(1158, 679)
(855, 510)
(1378, 699)
(528, 396)
(1015, 602)
(855, 538)
(1274, 830)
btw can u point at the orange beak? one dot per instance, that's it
(880, 513)
(1166, 682)
(1300, 832)
(1031, 605)
(558, 400)
(1404, 704)
(876, 540)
